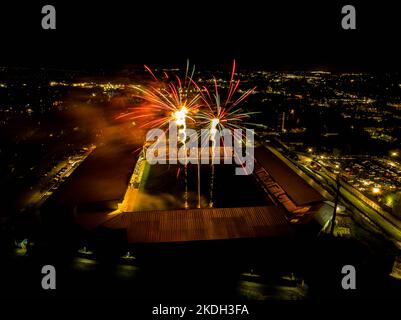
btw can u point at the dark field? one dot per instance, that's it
(165, 189)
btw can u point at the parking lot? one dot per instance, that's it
(377, 178)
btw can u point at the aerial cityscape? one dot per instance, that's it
(80, 193)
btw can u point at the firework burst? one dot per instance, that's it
(183, 101)
(168, 99)
(221, 113)
(165, 100)
(218, 114)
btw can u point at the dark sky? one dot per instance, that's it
(261, 34)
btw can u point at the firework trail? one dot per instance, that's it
(219, 114)
(168, 99)
(180, 120)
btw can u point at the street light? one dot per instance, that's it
(376, 190)
(394, 154)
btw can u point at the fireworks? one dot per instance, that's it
(180, 115)
(180, 120)
(165, 100)
(220, 114)
(183, 101)
(225, 113)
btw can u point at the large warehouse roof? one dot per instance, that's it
(295, 186)
(201, 224)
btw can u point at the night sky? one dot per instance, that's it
(259, 34)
